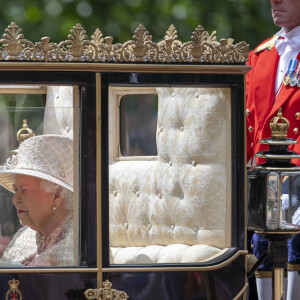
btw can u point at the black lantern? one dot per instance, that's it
(274, 198)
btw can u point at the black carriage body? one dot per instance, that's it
(221, 278)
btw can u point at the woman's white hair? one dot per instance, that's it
(66, 195)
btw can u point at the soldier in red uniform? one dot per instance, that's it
(274, 82)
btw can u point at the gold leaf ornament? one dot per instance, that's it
(105, 293)
(203, 48)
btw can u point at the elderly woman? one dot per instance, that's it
(41, 178)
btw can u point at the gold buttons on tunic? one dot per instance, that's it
(247, 112)
(250, 128)
(296, 130)
(297, 116)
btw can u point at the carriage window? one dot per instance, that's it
(175, 208)
(138, 118)
(39, 176)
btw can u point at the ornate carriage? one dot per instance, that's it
(159, 164)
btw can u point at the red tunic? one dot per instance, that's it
(260, 96)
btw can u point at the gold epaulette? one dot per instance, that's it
(267, 45)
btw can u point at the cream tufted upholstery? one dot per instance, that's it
(176, 209)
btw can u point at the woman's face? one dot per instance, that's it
(34, 206)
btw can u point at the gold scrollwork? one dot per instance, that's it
(105, 293)
(279, 126)
(203, 48)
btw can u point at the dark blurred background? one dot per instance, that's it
(242, 20)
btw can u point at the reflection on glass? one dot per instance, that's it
(138, 119)
(283, 205)
(273, 205)
(37, 179)
(14, 108)
(290, 201)
(176, 208)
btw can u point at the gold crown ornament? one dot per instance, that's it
(279, 126)
(13, 292)
(105, 293)
(24, 133)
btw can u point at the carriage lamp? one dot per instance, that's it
(274, 198)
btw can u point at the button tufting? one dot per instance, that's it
(115, 193)
(57, 97)
(182, 196)
(251, 145)
(193, 163)
(181, 128)
(247, 112)
(197, 95)
(126, 225)
(172, 227)
(250, 128)
(296, 130)
(170, 163)
(173, 95)
(161, 129)
(137, 194)
(159, 195)
(195, 228)
(149, 226)
(297, 116)
(68, 129)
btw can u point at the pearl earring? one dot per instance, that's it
(54, 207)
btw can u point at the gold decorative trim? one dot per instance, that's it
(112, 67)
(263, 274)
(203, 48)
(25, 132)
(275, 232)
(13, 292)
(49, 270)
(241, 293)
(279, 126)
(105, 293)
(32, 91)
(98, 179)
(293, 267)
(266, 274)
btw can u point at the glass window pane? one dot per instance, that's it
(138, 119)
(176, 207)
(273, 206)
(290, 201)
(39, 178)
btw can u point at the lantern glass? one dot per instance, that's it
(273, 203)
(283, 201)
(290, 201)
